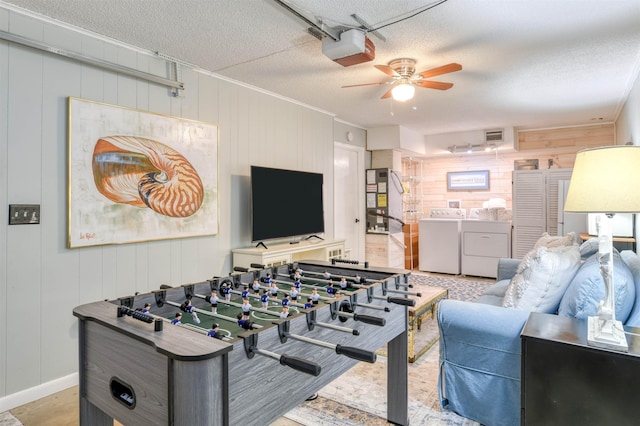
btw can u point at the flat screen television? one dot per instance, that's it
(285, 203)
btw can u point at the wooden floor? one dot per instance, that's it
(62, 409)
(59, 409)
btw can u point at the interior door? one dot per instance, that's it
(349, 209)
(569, 222)
(529, 210)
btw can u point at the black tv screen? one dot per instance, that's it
(285, 203)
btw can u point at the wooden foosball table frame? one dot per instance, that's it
(143, 373)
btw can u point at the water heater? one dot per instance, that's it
(384, 201)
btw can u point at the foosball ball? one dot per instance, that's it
(242, 349)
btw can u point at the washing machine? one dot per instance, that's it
(439, 241)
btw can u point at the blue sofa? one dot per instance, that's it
(480, 341)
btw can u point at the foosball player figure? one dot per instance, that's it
(336, 293)
(245, 293)
(343, 283)
(285, 301)
(285, 312)
(187, 307)
(293, 293)
(213, 299)
(358, 279)
(267, 279)
(256, 286)
(326, 275)
(214, 331)
(244, 321)
(273, 290)
(315, 297)
(246, 306)
(178, 319)
(297, 284)
(297, 274)
(331, 292)
(226, 290)
(308, 305)
(146, 309)
(264, 299)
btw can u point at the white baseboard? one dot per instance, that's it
(17, 399)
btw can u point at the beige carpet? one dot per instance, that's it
(359, 397)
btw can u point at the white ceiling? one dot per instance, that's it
(526, 64)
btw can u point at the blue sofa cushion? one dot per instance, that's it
(542, 278)
(633, 262)
(587, 290)
(589, 247)
(494, 294)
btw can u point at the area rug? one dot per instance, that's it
(346, 401)
(459, 288)
(7, 419)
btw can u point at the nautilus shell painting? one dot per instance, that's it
(137, 176)
(145, 173)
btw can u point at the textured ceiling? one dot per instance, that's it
(526, 64)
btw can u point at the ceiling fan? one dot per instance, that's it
(405, 78)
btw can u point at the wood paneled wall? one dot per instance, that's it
(41, 281)
(558, 145)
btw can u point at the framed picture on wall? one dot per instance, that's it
(468, 181)
(138, 176)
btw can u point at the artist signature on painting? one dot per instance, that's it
(87, 235)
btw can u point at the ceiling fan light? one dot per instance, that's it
(403, 92)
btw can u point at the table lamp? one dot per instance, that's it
(605, 180)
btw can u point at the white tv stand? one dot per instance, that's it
(283, 253)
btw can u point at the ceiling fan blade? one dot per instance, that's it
(434, 85)
(387, 70)
(364, 84)
(440, 70)
(387, 94)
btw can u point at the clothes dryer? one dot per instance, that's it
(484, 242)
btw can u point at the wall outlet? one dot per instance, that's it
(24, 214)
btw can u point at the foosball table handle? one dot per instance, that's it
(140, 316)
(367, 319)
(356, 353)
(402, 301)
(300, 364)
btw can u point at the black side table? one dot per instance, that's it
(566, 382)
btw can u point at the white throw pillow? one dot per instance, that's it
(555, 241)
(542, 279)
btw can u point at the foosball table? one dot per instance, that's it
(200, 354)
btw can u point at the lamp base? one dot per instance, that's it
(606, 334)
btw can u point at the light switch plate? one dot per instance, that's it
(24, 214)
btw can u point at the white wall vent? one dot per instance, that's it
(493, 135)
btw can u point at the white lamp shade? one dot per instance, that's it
(403, 92)
(605, 180)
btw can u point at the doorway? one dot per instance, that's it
(348, 203)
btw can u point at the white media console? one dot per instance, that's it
(281, 254)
